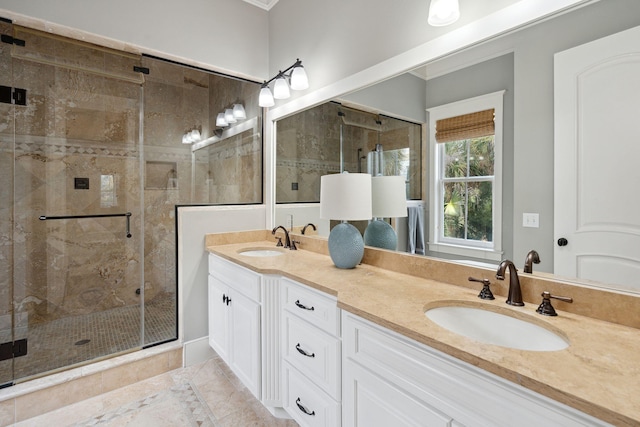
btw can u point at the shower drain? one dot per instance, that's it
(82, 342)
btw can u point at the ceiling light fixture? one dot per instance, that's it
(297, 80)
(443, 12)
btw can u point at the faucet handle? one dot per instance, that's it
(293, 246)
(545, 308)
(279, 239)
(485, 293)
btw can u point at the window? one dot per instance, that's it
(466, 162)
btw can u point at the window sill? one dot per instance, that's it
(478, 253)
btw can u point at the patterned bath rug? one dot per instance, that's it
(177, 407)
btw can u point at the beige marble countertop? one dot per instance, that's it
(599, 373)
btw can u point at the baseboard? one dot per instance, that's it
(197, 351)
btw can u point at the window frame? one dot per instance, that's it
(437, 242)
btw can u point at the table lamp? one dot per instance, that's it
(388, 194)
(345, 197)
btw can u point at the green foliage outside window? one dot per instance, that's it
(468, 189)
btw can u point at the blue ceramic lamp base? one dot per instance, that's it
(346, 246)
(381, 235)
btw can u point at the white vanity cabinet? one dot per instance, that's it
(390, 380)
(311, 353)
(235, 295)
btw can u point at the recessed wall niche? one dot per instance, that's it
(160, 175)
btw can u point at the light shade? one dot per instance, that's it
(238, 112)
(228, 116)
(443, 12)
(388, 197)
(299, 80)
(220, 120)
(265, 99)
(281, 88)
(345, 196)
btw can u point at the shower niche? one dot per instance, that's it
(161, 175)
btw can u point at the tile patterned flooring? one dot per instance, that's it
(54, 344)
(204, 395)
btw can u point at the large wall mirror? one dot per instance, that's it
(522, 64)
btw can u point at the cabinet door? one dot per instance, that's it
(373, 402)
(218, 317)
(245, 341)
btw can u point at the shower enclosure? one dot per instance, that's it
(92, 165)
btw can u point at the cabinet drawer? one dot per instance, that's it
(313, 306)
(314, 352)
(306, 403)
(239, 278)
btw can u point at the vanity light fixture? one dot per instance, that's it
(231, 115)
(221, 121)
(345, 197)
(297, 80)
(443, 12)
(388, 197)
(238, 112)
(191, 137)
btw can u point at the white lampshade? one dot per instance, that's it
(299, 80)
(345, 196)
(443, 12)
(388, 195)
(238, 112)
(228, 116)
(220, 120)
(195, 135)
(266, 97)
(281, 89)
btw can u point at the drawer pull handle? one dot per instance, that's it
(302, 306)
(304, 353)
(303, 409)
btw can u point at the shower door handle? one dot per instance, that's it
(126, 214)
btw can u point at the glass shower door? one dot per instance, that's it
(76, 233)
(6, 209)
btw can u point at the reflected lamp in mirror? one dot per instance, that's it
(388, 196)
(345, 197)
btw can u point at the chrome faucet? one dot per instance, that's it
(515, 293)
(532, 258)
(287, 240)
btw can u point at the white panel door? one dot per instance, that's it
(597, 161)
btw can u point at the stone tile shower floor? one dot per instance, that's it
(203, 395)
(60, 343)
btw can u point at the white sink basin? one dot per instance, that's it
(495, 328)
(261, 252)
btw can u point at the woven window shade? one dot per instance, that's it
(472, 125)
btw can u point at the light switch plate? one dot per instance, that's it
(531, 220)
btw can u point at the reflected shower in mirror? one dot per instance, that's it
(332, 138)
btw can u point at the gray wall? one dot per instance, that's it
(486, 77)
(401, 97)
(226, 35)
(532, 156)
(338, 38)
